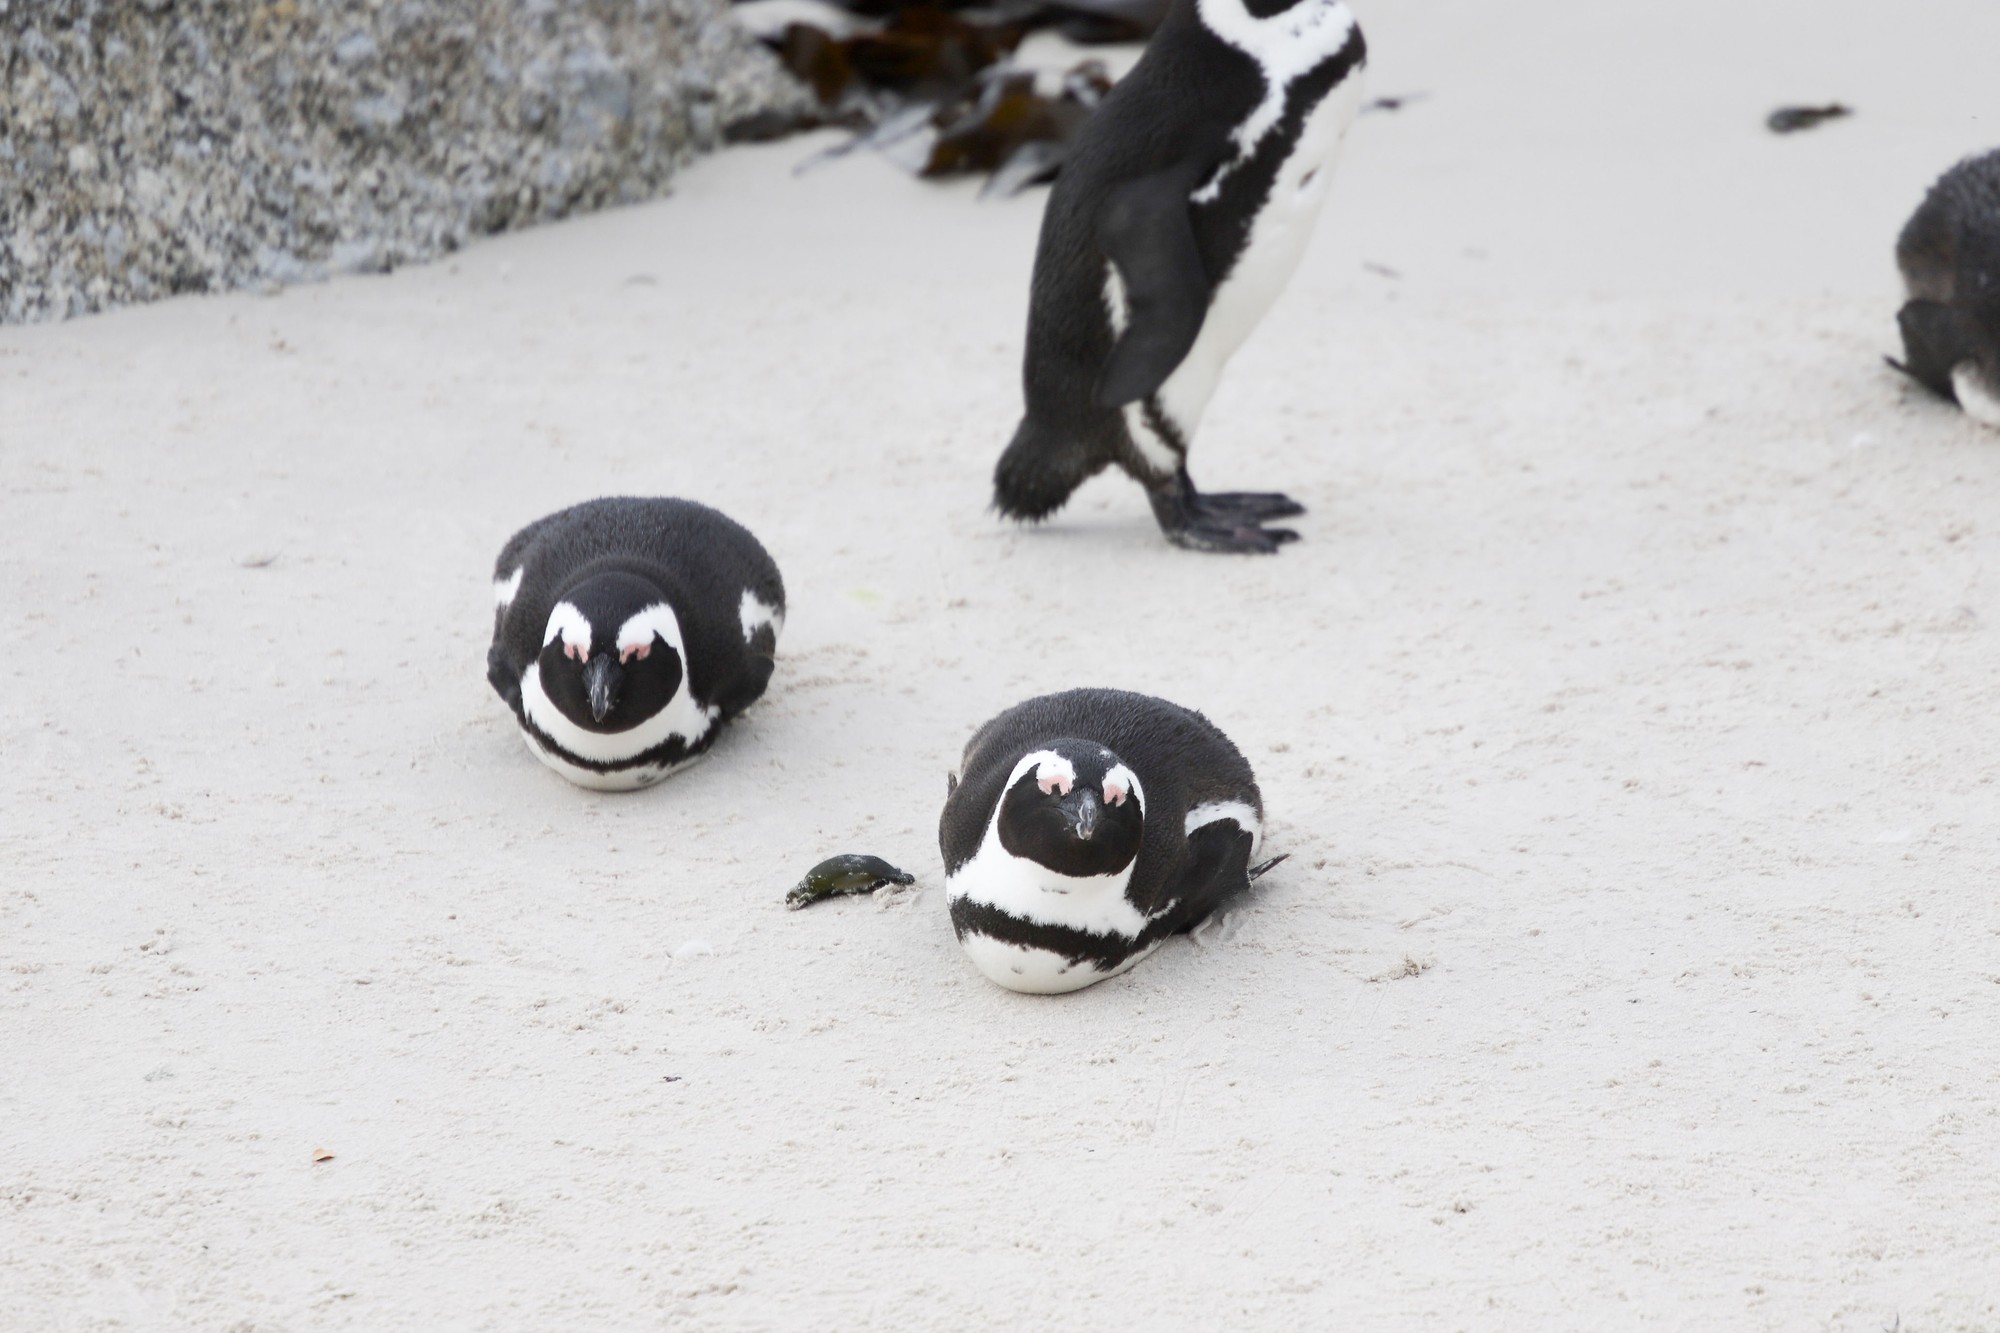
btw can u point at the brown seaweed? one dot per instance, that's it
(933, 87)
(1791, 119)
(1014, 132)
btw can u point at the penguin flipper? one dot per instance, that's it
(1147, 232)
(1217, 871)
(1936, 337)
(506, 681)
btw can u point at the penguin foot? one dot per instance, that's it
(1228, 539)
(1247, 506)
(1226, 521)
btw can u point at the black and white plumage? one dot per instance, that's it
(1950, 256)
(628, 631)
(1181, 212)
(1086, 827)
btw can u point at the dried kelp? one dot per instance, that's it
(1013, 131)
(935, 88)
(1791, 119)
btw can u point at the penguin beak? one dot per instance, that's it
(601, 677)
(1084, 820)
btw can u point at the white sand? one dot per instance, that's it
(1628, 709)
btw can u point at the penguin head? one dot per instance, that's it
(612, 653)
(1073, 807)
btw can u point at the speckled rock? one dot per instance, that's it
(149, 147)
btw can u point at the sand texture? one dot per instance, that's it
(1628, 709)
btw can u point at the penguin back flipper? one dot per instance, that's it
(506, 681)
(1927, 253)
(1041, 469)
(760, 661)
(1217, 872)
(1147, 232)
(1936, 337)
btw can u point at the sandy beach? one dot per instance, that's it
(1628, 711)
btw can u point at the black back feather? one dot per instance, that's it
(701, 559)
(1949, 253)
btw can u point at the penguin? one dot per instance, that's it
(1181, 211)
(627, 632)
(1084, 828)
(1949, 253)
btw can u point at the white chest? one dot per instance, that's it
(636, 778)
(1040, 897)
(683, 717)
(1271, 254)
(1980, 400)
(1032, 971)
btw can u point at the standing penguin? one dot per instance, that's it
(1180, 213)
(1950, 256)
(628, 632)
(1086, 827)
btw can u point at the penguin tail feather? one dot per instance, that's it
(1040, 470)
(1258, 872)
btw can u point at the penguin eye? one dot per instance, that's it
(635, 652)
(1114, 793)
(1053, 784)
(574, 651)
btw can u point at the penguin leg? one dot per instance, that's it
(1224, 522)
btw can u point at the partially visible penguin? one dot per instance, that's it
(628, 631)
(1181, 211)
(1086, 827)
(1950, 256)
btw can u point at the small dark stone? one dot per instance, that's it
(841, 876)
(1791, 119)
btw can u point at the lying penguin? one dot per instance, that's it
(628, 631)
(1950, 256)
(1181, 211)
(1084, 828)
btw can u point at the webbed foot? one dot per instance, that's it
(1247, 506)
(1230, 522)
(1231, 539)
